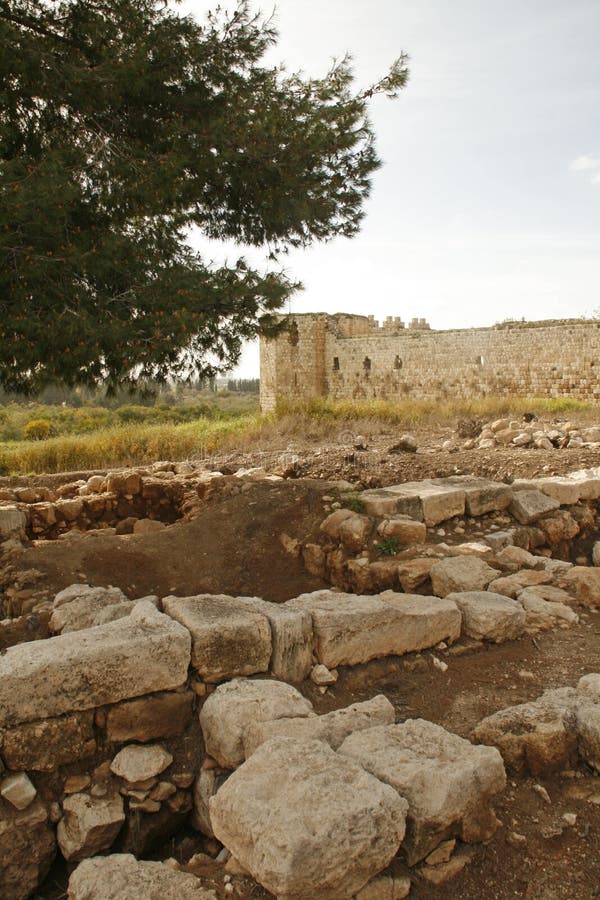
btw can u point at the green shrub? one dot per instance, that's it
(354, 503)
(389, 546)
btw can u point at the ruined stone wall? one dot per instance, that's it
(351, 357)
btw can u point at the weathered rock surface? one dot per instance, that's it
(148, 718)
(564, 490)
(448, 782)
(333, 728)
(89, 825)
(135, 763)
(307, 822)
(93, 667)
(233, 706)
(228, 639)
(43, 746)
(27, 850)
(489, 616)
(481, 496)
(460, 573)
(12, 521)
(512, 585)
(529, 506)
(18, 790)
(539, 736)
(406, 530)
(121, 876)
(540, 614)
(206, 786)
(291, 638)
(78, 606)
(350, 629)
(584, 583)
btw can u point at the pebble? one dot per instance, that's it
(542, 792)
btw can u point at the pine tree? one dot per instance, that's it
(122, 126)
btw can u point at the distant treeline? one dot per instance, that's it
(146, 393)
(243, 385)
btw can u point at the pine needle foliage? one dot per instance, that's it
(125, 125)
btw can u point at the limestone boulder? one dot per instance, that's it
(490, 617)
(565, 490)
(350, 629)
(228, 639)
(12, 521)
(27, 850)
(137, 763)
(354, 532)
(538, 737)
(481, 496)
(588, 733)
(291, 638)
(46, 745)
(528, 506)
(413, 573)
(89, 825)
(147, 718)
(78, 606)
(93, 667)
(121, 875)
(448, 782)
(460, 573)
(583, 583)
(512, 585)
(307, 822)
(540, 614)
(406, 530)
(333, 728)
(233, 706)
(332, 524)
(513, 559)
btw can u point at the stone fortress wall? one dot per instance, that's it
(350, 357)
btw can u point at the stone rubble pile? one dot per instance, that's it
(532, 434)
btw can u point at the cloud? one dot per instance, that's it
(587, 163)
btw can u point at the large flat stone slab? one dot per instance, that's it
(565, 490)
(429, 501)
(351, 629)
(460, 573)
(228, 638)
(121, 875)
(490, 617)
(307, 822)
(447, 781)
(481, 496)
(529, 506)
(140, 654)
(235, 705)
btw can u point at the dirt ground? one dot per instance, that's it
(233, 547)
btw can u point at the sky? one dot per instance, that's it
(487, 206)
